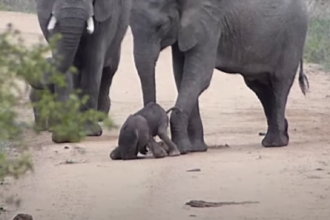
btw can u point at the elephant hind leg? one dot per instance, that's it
(172, 148)
(273, 94)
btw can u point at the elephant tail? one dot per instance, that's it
(173, 109)
(303, 80)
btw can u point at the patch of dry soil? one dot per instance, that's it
(289, 183)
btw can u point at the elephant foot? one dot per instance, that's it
(275, 139)
(199, 146)
(61, 138)
(93, 129)
(184, 145)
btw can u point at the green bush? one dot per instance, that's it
(19, 63)
(317, 48)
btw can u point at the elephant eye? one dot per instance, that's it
(158, 27)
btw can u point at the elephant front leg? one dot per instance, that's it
(198, 69)
(42, 125)
(195, 126)
(104, 101)
(90, 82)
(90, 85)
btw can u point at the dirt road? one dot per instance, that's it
(289, 183)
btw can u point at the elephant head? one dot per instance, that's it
(154, 25)
(128, 141)
(73, 19)
(157, 24)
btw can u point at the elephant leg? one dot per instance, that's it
(273, 97)
(34, 97)
(264, 94)
(172, 148)
(75, 80)
(90, 74)
(104, 101)
(156, 150)
(198, 69)
(43, 125)
(90, 85)
(195, 125)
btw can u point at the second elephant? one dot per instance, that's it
(92, 32)
(260, 39)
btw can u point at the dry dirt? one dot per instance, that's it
(289, 183)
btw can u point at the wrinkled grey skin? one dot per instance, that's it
(138, 131)
(95, 54)
(261, 40)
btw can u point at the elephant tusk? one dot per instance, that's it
(90, 25)
(52, 23)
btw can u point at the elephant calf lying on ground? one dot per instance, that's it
(138, 131)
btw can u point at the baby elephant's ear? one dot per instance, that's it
(136, 133)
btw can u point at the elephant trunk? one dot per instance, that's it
(145, 57)
(71, 30)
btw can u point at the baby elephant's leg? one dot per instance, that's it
(156, 150)
(164, 146)
(173, 149)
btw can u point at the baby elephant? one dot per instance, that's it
(138, 131)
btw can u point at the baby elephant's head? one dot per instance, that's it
(128, 142)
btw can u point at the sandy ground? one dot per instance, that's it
(289, 183)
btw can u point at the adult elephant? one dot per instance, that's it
(261, 40)
(92, 32)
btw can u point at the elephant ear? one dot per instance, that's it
(103, 9)
(44, 8)
(199, 19)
